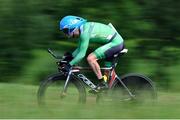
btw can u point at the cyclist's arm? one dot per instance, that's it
(83, 46)
(75, 52)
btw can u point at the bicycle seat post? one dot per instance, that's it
(114, 62)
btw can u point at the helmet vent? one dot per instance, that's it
(78, 18)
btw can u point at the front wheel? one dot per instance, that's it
(50, 91)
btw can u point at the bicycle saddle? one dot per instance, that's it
(121, 52)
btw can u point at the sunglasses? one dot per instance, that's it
(68, 31)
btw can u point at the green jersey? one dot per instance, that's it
(93, 32)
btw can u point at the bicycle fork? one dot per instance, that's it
(63, 93)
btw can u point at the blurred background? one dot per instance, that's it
(150, 29)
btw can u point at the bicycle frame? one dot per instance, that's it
(112, 76)
(81, 77)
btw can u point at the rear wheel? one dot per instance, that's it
(50, 91)
(141, 88)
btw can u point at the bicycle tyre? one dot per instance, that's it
(139, 85)
(60, 80)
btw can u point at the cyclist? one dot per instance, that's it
(89, 32)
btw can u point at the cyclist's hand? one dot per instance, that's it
(67, 57)
(62, 63)
(66, 67)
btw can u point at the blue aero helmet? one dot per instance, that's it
(69, 23)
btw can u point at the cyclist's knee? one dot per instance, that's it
(91, 58)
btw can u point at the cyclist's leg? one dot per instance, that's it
(92, 60)
(109, 60)
(97, 55)
(107, 52)
(101, 53)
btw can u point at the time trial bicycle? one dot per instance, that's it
(63, 87)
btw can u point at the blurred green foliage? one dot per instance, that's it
(151, 27)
